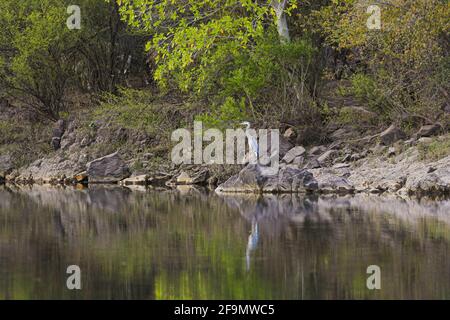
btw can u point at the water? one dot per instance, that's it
(187, 244)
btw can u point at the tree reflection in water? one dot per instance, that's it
(185, 244)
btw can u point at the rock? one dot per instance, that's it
(58, 131)
(425, 140)
(347, 157)
(315, 151)
(391, 135)
(12, 176)
(184, 178)
(159, 178)
(327, 157)
(289, 180)
(428, 184)
(331, 183)
(81, 177)
(140, 180)
(355, 157)
(391, 151)
(341, 165)
(339, 134)
(289, 134)
(298, 160)
(431, 169)
(409, 142)
(212, 181)
(196, 178)
(285, 146)
(293, 153)
(255, 179)
(312, 164)
(107, 169)
(428, 130)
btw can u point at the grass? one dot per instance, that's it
(437, 149)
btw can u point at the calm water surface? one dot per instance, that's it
(188, 244)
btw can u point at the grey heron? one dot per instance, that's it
(252, 143)
(252, 242)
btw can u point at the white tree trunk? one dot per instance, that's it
(282, 26)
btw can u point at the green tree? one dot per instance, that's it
(41, 59)
(406, 61)
(189, 34)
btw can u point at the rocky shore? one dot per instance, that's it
(389, 162)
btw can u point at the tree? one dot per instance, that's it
(35, 53)
(188, 34)
(404, 67)
(41, 58)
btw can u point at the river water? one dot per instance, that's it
(189, 244)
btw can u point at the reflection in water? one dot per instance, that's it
(252, 242)
(188, 244)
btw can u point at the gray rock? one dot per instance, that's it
(298, 160)
(140, 180)
(428, 130)
(254, 179)
(339, 134)
(341, 165)
(391, 151)
(108, 169)
(289, 134)
(425, 140)
(200, 177)
(327, 157)
(293, 153)
(58, 131)
(315, 151)
(391, 135)
(331, 183)
(312, 164)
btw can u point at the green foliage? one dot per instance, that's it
(189, 35)
(229, 113)
(405, 60)
(41, 58)
(33, 62)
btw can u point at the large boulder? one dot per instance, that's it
(391, 135)
(257, 179)
(108, 169)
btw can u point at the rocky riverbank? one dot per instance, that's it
(389, 162)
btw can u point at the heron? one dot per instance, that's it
(252, 143)
(252, 242)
